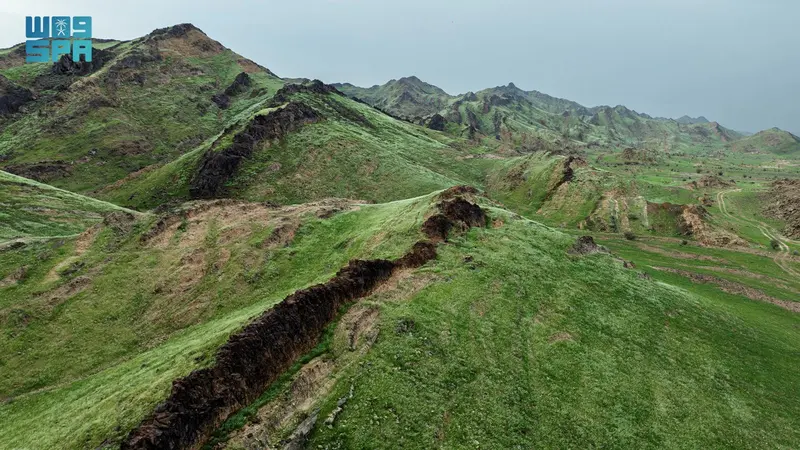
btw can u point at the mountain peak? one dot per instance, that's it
(687, 120)
(178, 30)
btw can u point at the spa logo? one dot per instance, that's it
(50, 37)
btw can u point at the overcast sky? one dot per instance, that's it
(734, 61)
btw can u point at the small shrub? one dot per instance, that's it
(684, 242)
(775, 244)
(630, 236)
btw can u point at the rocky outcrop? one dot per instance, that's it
(315, 87)
(219, 165)
(66, 66)
(43, 171)
(254, 357)
(453, 213)
(437, 122)
(710, 182)
(12, 97)
(240, 84)
(783, 202)
(585, 245)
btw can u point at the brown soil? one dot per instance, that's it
(734, 288)
(67, 291)
(783, 202)
(693, 221)
(14, 277)
(453, 213)
(680, 255)
(754, 276)
(254, 357)
(311, 381)
(84, 241)
(560, 337)
(585, 245)
(710, 182)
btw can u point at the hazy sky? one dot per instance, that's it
(734, 61)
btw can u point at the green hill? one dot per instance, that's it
(35, 210)
(311, 142)
(506, 319)
(774, 141)
(407, 97)
(139, 103)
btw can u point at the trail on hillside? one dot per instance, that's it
(770, 233)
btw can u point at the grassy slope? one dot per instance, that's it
(381, 160)
(577, 348)
(407, 97)
(774, 140)
(31, 209)
(524, 346)
(88, 367)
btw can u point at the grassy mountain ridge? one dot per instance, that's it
(348, 149)
(508, 110)
(139, 103)
(35, 210)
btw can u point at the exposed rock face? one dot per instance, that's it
(783, 202)
(136, 59)
(254, 357)
(316, 87)
(585, 245)
(692, 222)
(711, 182)
(222, 100)
(12, 97)
(42, 172)
(239, 85)
(218, 166)
(453, 213)
(66, 66)
(173, 32)
(437, 122)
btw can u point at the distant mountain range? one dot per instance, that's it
(514, 115)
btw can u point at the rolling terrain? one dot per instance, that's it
(197, 253)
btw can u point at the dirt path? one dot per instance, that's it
(770, 233)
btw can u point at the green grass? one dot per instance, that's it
(644, 364)
(92, 365)
(114, 126)
(379, 160)
(31, 209)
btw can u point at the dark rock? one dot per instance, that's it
(12, 97)
(437, 122)
(137, 58)
(456, 212)
(173, 32)
(66, 66)
(585, 245)
(218, 166)
(256, 356)
(314, 87)
(239, 85)
(41, 171)
(222, 100)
